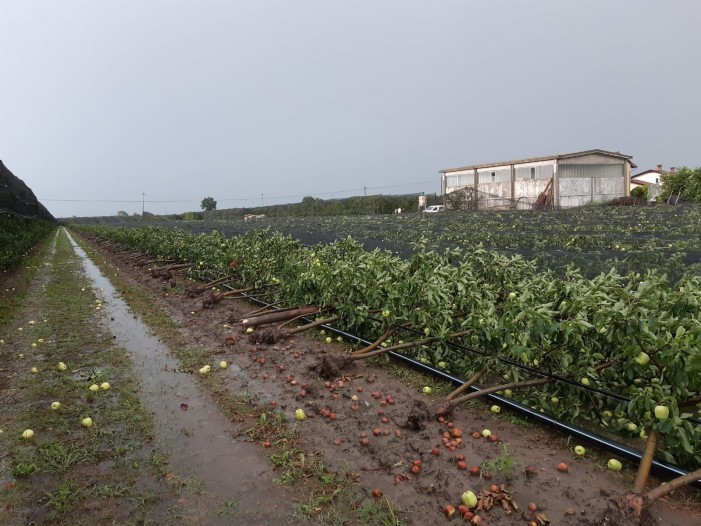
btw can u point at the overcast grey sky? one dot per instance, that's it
(101, 101)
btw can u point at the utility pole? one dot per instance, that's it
(143, 201)
(365, 191)
(261, 199)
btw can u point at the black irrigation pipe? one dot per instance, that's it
(659, 467)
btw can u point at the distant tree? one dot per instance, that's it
(208, 204)
(685, 182)
(122, 213)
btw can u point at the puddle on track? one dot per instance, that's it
(199, 440)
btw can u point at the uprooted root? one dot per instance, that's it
(331, 367)
(418, 416)
(268, 336)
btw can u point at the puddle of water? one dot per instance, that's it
(198, 440)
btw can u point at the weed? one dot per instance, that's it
(65, 495)
(379, 514)
(504, 464)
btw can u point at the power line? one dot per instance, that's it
(362, 189)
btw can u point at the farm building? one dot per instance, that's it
(652, 179)
(556, 181)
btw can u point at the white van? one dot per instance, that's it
(434, 208)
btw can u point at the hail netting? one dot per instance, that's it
(17, 198)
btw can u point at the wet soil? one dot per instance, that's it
(365, 420)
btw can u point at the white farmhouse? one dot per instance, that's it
(556, 181)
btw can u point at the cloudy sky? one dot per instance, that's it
(104, 104)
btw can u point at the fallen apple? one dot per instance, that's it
(299, 414)
(329, 339)
(614, 465)
(28, 434)
(55, 405)
(495, 409)
(61, 366)
(469, 499)
(94, 388)
(449, 511)
(427, 390)
(632, 427)
(86, 422)
(35, 370)
(385, 313)
(223, 364)
(562, 467)
(512, 295)
(105, 386)
(249, 330)
(585, 381)
(442, 365)
(486, 433)
(579, 450)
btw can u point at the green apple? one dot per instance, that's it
(427, 331)
(512, 295)
(385, 313)
(35, 370)
(442, 365)
(579, 450)
(642, 359)
(469, 499)
(507, 393)
(427, 390)
(55, 405)
(603, 330)
(105, 386)
(614, 465)
(223, 364)
(632, 427)
(299, 414)
(28, 434)
(94, 388)
(61, 366)
(329, 339)
(86, 422)
(249, 330)
(585, 381)
(661, 412)
(495, 409)
(486, 433)
(554, 400)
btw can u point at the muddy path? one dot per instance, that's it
(358, 424)
(197, 437)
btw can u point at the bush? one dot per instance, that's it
(685, 182)
(639, 192)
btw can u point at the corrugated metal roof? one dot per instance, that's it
(618, 155)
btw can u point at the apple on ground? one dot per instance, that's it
(614, 465)
(86, 422)
(579, 450)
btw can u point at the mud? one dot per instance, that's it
(369, 421)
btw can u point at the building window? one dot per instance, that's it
(532, 172)
(494, 176)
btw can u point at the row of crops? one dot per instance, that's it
(17, 236)
(620, 352)
(593, 239)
